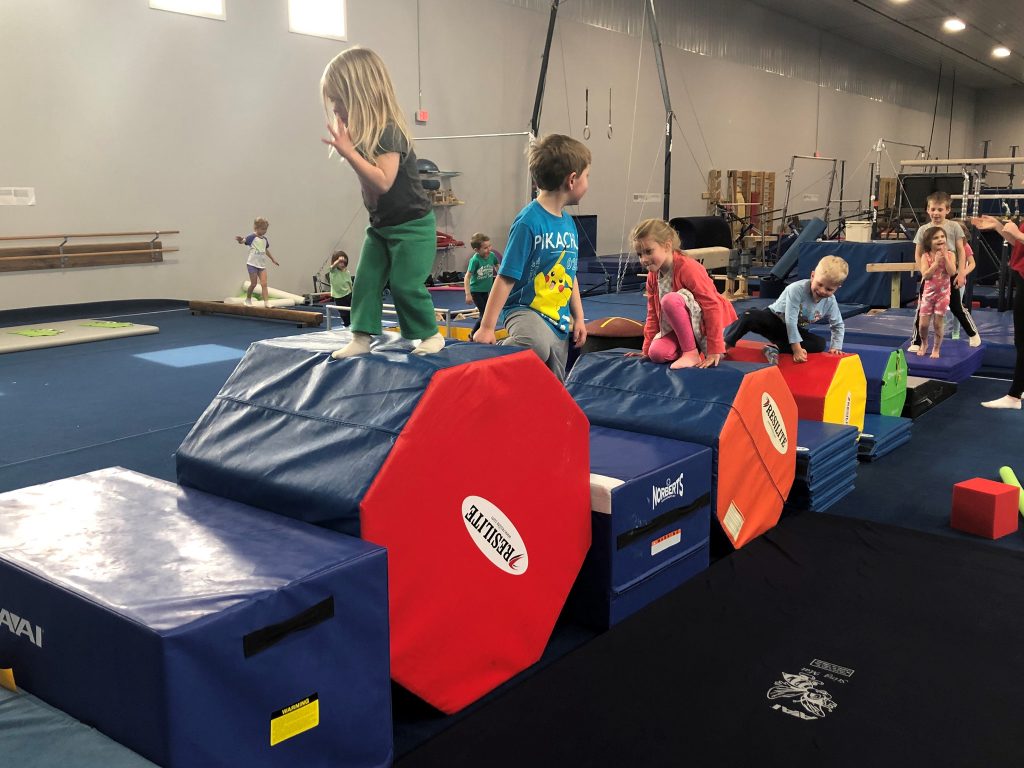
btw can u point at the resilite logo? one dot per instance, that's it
(495, 535)
(773, 423)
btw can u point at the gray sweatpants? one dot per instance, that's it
(526, 328)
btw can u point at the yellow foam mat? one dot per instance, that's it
(846, 399)
(40, 335)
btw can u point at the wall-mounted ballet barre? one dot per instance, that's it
(65, 255)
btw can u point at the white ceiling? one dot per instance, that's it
(912, 30)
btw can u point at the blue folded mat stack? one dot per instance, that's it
(882, 435)
(826, 465)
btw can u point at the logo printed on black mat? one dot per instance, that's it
(806, 690)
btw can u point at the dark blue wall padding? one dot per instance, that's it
(185, 626)
(332, 425)
(702, 232)
(861, 286)
(811, 232)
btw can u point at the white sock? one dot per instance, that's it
(430, 345)
(1006, 401)
(359, 345)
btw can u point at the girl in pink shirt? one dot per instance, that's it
(685, 313)
(937, 265)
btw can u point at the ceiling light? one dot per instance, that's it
(1000, 51)
(954, 25)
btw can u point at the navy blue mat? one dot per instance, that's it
(893, 328)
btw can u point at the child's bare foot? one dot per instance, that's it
(1006, 401)
(920, 351)
(935, 354)
(687, 360)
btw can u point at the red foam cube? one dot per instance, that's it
(984, 508)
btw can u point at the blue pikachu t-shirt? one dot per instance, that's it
(541, 256)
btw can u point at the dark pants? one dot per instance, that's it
(956, 306)
(1017, 386)
(766, 323)
(480, 299)
(344, 301)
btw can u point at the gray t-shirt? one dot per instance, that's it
(954, 232)
(406, 200)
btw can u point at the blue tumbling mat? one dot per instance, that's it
(894, 327)
(882, 435)
(34, 733)
(826, 463)
(194, 630)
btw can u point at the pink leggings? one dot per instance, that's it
(680, 339)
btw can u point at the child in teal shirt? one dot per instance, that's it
(483, 266)
(341, 284)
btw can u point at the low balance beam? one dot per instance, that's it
(895, 267)
(266, 313)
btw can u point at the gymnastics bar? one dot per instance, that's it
(963, 161)
(988, 197)
(895, 268)
(267, 313)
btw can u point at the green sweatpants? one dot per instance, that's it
(402, 255)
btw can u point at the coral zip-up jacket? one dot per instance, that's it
(717, 311)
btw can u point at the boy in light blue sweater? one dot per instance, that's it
(786, 322)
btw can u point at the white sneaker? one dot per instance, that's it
(975, 340)
(771, 354)
(248, 302)
(914, 348)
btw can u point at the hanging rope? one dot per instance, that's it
(623, 256)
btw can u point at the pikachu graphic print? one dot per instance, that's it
(542, 257)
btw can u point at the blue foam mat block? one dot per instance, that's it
(211, 621)
(651, 522)
(290, 390)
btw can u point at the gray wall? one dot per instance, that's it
(1000, 118)
(126, 118)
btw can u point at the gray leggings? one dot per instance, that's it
(526, 328)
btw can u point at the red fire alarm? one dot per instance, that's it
(421, 116)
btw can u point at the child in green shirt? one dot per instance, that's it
(480, 272)
(341, 284)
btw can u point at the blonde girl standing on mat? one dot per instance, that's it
(369, 133)
(259, 253)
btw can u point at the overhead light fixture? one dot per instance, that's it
(953, 25)
(1001, 51)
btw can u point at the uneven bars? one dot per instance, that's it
(964, 161)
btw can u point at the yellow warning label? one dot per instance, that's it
(294, 719)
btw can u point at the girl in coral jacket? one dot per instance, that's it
(685, 313)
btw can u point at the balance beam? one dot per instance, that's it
(895, 267)
(271, 313)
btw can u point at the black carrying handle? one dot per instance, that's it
(623, 540)
(261, 639)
